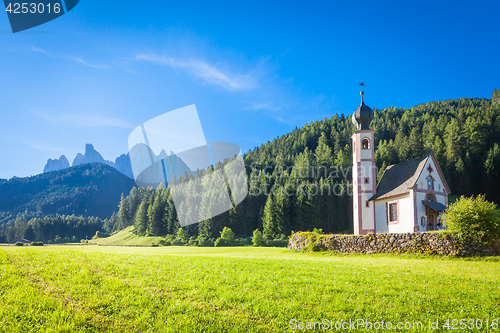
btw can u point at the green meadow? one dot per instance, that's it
(236, 289)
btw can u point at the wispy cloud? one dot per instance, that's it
(85, 120)
(45, 148)
(205, 71)
(264, 106)
(70, 58)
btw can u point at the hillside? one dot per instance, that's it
(89, 190)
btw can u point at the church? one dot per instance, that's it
(410, 197)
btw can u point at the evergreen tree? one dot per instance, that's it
(141, 219)
(269, 218)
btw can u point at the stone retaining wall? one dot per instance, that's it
(418, 243)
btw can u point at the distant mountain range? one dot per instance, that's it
(91, 189)
(122, 163)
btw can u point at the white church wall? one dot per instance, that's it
(366, 153)
(422, 189)
(381, 217)
(405, 215)
(367, 215)
(405, 223)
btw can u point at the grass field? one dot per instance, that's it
(189, 289)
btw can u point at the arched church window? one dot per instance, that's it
(429, 197)
(430, 183)
(365, 143)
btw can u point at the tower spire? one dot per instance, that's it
(363, 114)
(362, 85)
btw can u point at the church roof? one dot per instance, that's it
(399, 178)
(438, 207)
(362, 116)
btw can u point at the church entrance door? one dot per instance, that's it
(431, 222)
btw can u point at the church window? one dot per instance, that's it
(367, 203)
(367, 180)
(429, 197)
(430, 183)
(422, 221)
(393, 212)
(365, 143)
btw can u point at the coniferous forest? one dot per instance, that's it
(302, 180)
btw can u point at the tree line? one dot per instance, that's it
(56, 229)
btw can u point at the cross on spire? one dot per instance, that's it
(362, 85)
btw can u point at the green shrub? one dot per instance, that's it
(228, 235)
(168, 240)
(19, 244)
(219, 242)
(243, 241)
(205, 241)
(257, 238)
(155, 245)
(192, 241)
(177, 242)
(183, 235)
(318, 231)
(37, 244)
(473, 218)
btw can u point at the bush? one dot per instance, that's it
(473, 218)
(257, 238)
(19, 244)
(183, 235)
(205, 241)
(177, 242)
(318, 231)
(37, 244)
(228, 235)
(192, 241)
(155, 245)
(219, 242)
(243, 241)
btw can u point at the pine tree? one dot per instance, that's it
(141, 219)
(323, 152)
(156, 214)
(269, 218)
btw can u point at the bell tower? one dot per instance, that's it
(363, 170)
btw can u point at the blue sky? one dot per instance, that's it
(255, 70)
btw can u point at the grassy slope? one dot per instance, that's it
(189, 289)
(127, 237)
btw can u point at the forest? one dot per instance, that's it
(302, 180)
(59, 229)
(89, 190)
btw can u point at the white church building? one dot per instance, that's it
(410, 197)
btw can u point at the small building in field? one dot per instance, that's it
(410, 197)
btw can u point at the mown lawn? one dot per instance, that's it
(189, 289)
